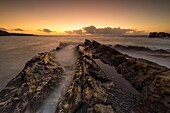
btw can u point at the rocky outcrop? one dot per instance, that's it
(91, 90)
(26, 92)
(151, 79)
(61, 45)
(140, 48)
(158, 35)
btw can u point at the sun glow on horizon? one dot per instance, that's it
(56, 17)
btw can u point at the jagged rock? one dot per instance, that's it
(84, 91)
(144, 49)
(61, 45)
(100, 108)
(26, 92)
(94, 92)
(151, 79)
(91, 90)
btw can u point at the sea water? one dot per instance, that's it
(15, 51)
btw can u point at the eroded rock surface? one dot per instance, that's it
(90, 90)
(141, 48)
(151, 79)
(26, 92)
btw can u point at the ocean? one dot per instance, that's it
(15, 51)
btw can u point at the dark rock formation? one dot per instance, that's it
(4, 33)
(61, 45)
(91, 90)
(158, 35)
(26, 92)
(151, 79)
(140, 48)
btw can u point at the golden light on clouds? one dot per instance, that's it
(61, 16)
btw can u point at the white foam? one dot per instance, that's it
(66, 58)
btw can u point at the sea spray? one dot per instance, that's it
(66, 58)
(51, 102)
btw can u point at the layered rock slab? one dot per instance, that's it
(91, 90)
(151, 79)
(26, 92)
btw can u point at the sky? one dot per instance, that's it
(69, 16)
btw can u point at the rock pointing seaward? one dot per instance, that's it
(92, 89)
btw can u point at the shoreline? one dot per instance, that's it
(45, 69)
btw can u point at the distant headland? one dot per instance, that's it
(5, 33)
(159, 35)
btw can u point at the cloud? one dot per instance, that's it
(104, 31)
(109, 30)
(45, 30)
(80, 31)
(136, 32)
(91, 29)
(18, 29)
(3, 29)
(69, 32)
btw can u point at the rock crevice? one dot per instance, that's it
(91, 90)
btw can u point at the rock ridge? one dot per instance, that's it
(91, 90)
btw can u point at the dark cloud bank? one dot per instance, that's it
(104, 31)
(45, 30)
(18, 29)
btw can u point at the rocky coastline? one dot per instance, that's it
(159, 35)
(5, 33)
(91, 90)
(142, 49)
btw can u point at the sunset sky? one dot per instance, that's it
(58, 16)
